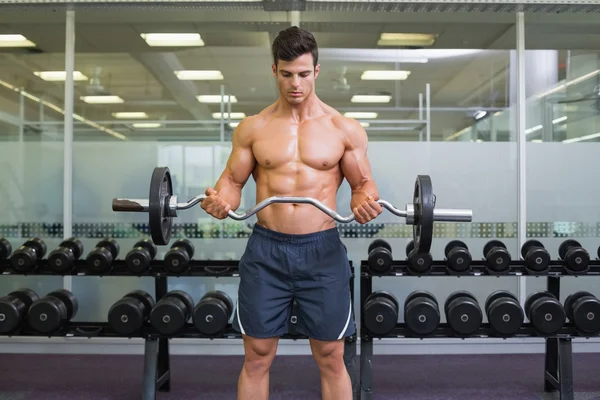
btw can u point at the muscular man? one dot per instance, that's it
(297, 146)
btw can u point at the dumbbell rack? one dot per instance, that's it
(157, 371)
(558, 371)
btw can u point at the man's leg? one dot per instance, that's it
(253, 383)
(335, 381)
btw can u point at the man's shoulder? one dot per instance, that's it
(349, 126)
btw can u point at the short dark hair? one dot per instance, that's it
(293, 42)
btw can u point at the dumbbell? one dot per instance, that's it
(545, 312)
(576, 257)
(497, 257)
(536, 257)
(14, 308)
(62, 259)
(5, 249)
(380, 256)
(179, 256)
(139, 257)
(52, 311)
(212, 312)
(100, 259)
(418, 262)
(504, 313)
(421, 312)
(463, 313)
(583, 309)
(458, 256)
(24, 259)
(128, 315)
(171, 312)
(380, 313)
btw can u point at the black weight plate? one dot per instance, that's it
(424, 204)
(571, 299)
(61, 259)
(498, 260)
(169, 315)
(384, 294)
(176, 260)
(547, 315)
(464, 316)
(126, 316)
(422, 316)
(459, 259)
(505, 315)
(538, 259)
(68, 299)
(410, 246)
(380, 260)
(219, 294)
(564, 247)
(185, 298)
(74, 244)
(452, 244)
(138, 260)
(161, 190)
(577, 259)
(38, 244)
(491, 244)
(419, 293)
(12, 311)
(23, 259)
(533, 297)
(379, 243)
(26, 295)
(528, 245)
(455, 295)
(380, 316)
(144, 297)
(5, 249)
(186, 244)
(148, 245)
(498, 294)
(100, 260)
(586, 314)
(46, 315)
(112, 245)
(210, 316)
(420, 263)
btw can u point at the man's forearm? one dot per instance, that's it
(229, 191)
(368, 187)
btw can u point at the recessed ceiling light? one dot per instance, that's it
(406, 39)
(102, 99)
(130, 114)
(199, 75)
(385, 75)
(370, 98)
(56, 76)
(234, 115)
(172, 39)
(146, 125)
(15, 41)
(361, 115)
(212, 99)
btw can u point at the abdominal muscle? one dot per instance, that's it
(301, 181)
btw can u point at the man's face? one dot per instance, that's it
(296, 79)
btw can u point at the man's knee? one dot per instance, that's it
(329, 356)
(259, 354)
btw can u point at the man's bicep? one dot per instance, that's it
(241, 161)
(355, 163)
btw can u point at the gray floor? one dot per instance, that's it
(485, 377)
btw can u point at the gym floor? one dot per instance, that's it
(454, 377)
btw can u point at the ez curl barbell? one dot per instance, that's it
(162, 207)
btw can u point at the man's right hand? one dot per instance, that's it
(214, 205)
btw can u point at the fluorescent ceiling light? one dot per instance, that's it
(365, 124)
(102, 99)
(199, 75)
(15, 41)
(370, 98)
(582, 138)
(56, 76)
(479, 114)
(361, 115)
(132, 115)
(534, 129)
(385, 75)
(559, 120)
(234, 124)
(211, 99)
(537, 141)
(146, 125)
(234, 115)
(172, 39)
(406, 39)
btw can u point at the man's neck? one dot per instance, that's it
(304, 111)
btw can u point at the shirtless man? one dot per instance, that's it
(298, 146)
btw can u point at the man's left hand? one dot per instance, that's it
(365, 207)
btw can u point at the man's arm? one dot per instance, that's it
(356, 168)
(227, 192)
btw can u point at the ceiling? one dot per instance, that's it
(468, 68)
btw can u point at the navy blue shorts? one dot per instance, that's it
(277, 269)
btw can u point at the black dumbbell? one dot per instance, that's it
(576, 257)
(24, 259)
(100, 259)
(497, 257)
(127, 316)
(380, 313)
(63, 258)
(14, 308)
(212, 312)
(171, 312)
(138, 259)
(583, 309)
(421, 312)
(418, 262)
(536, 257)
(5, 249)
(463, 313)
(52, 311)
(504, 313)
(380, 256)
(178, 257)
(545, 312)
(458, 256)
